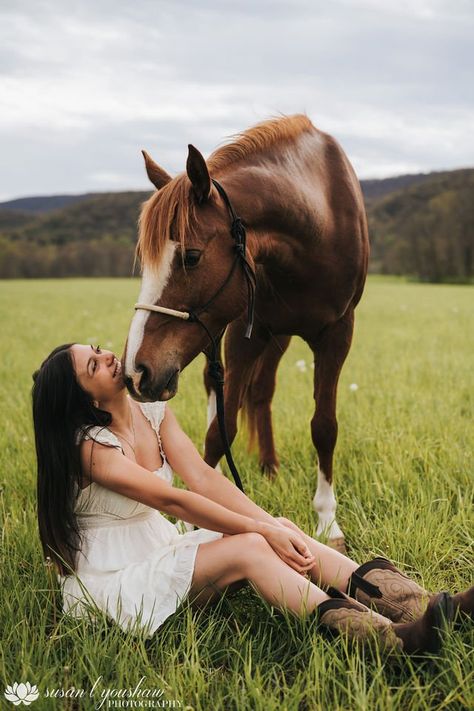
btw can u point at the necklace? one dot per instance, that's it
(120, 436)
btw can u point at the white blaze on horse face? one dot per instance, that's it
(324, 503)
(153, 284)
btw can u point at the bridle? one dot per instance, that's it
(216, 370)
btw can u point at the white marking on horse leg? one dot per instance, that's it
(211, 407)
(152, 286)
(324, 503)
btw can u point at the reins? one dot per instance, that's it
(216, 369)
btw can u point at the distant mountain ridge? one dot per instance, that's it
(44, 203)
(420, 225)
(379, 187)
(372, 188)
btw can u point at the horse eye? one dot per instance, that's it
(192, 257)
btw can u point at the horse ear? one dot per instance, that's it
(198, 174)
(157, 175)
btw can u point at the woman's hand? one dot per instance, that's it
(290, 546)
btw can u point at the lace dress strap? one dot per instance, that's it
(99, 434)
(155, 412)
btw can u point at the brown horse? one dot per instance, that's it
(307, 240)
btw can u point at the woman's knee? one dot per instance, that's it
(226, 560)
(250, 549)
(253, 539)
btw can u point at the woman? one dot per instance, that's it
(105, 472)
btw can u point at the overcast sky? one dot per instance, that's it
(85, 85)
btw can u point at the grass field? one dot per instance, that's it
(404, 468)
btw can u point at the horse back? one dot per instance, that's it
(317, 232)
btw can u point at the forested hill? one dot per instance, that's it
(379, 188)
(43, 203)
(420, 225)
(426, 230)
(90, 237)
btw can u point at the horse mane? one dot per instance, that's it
(169, 213)
(257, 139)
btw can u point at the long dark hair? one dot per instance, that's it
(60, 408)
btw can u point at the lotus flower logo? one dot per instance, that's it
(21, 693)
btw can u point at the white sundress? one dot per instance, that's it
(134, 564)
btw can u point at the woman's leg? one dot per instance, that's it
(331, 567)
(248, 556)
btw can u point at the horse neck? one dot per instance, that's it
(268, 204)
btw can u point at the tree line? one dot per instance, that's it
(421, 227)
(427, 231)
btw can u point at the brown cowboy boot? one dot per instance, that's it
(345, 615)
(379, 584)
(464, 604)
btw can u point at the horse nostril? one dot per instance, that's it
(145, 378)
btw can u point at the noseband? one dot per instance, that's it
(216, 370)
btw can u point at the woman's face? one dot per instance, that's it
(98, 371)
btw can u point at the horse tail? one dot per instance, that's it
(249, 405)
(259, 387)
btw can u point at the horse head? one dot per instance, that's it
(189, 265)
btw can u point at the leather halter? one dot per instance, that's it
(239, 236)
(216, 370)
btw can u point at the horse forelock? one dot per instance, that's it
(167, 215)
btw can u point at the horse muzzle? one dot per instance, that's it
(146, 386)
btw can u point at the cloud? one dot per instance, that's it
(89, 84)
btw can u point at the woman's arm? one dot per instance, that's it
(112, 470)
(109, 468)
(200, 477)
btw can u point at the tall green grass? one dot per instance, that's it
(404, 477)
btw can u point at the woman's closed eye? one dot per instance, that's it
(97, 350)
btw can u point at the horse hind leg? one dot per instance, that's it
(330, 349)
(257, 401)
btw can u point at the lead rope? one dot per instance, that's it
(216, 372)
(216, 369)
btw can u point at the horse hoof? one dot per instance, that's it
(339, 544)
(270, 470)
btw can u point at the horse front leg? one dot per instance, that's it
(240, 357)
(330, 349)
(211, 393)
